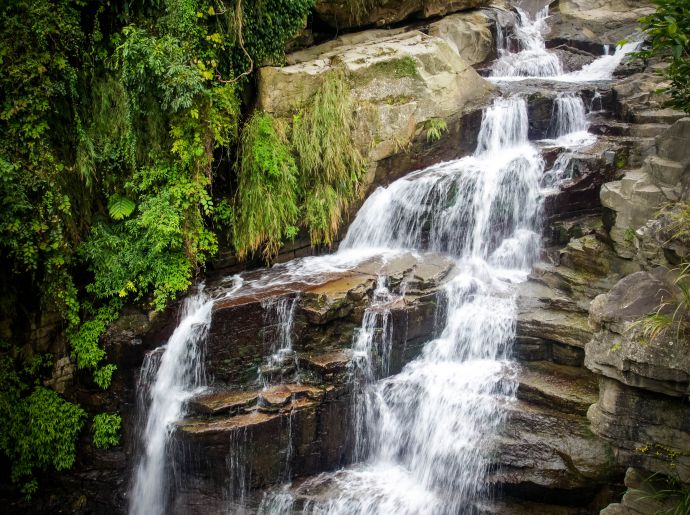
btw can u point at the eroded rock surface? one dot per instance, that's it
(344, 14)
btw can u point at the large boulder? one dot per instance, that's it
(619, 350)
(399, 83)
(546, 450)
(598, 21)
(346, 14)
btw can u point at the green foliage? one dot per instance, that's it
(115, 119)
(330, 166)
(106, 430)
(266, 26)
(85, 343)
(668, 492)
(38, 428)
(668, 32)
(120, 207)
(435, 128)
(266, 202)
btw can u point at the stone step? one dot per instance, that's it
(647, 130)
(563, 388)
(566, 327)
(630, 179)
(232, 402)
(665, 171)
(605, 126)
(666, 116)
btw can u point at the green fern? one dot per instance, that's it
(120, 207)
(435, 128)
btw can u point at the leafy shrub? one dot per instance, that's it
(38, 428)
(266, 202)
(668, 32)
(106, 430)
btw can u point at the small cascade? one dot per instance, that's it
(602, 69)
(169, 377)
(279, 319)
(237, 483)
(568, 116)
(533, 60)
(596, 105)
(468, 206)
(569, 125)
(560, 172)
(371, 351)
(569, 129)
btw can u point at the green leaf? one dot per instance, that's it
(120, 207)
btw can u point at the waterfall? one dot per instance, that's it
(371, 350)
(280, 317)
(425, 436)
(533, 60)
(568, 116)
(168, 379)
(463, 207)
(602, 68)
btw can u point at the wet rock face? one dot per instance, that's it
(327, 312)
(546, 451)
(346, 14)
(300, 425)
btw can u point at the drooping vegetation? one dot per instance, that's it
(124, 152)
(330, 166)
(309, 172)
(668, 33)
(267, 203)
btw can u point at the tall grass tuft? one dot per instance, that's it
(671, 315)
(330, 165)
(266, 202)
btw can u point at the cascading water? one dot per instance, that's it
(569, 128)
(425, 437)
(168, 379)
(569, 116)
(280, 317)
(371, 350)
(464, 207)
(425, 434)
(533, 60)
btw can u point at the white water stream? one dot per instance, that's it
(167, 380)
(425, 437)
